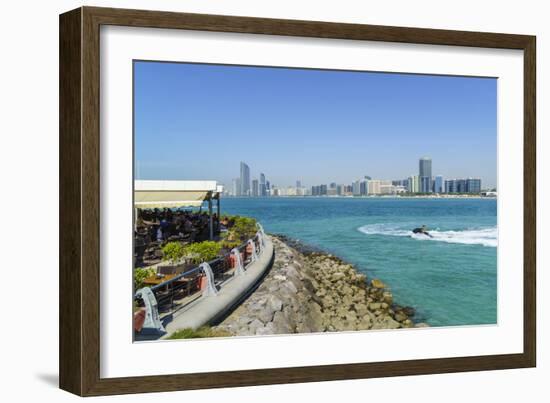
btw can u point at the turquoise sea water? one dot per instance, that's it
(450, 279)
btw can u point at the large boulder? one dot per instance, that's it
(292, 271)
(342, 311)
(385, 322)
(364, 322)
(348, 325)
(291, 287)
(361, 309)
(321, 292)
(407, 323)
(374, 306)
(328, 302)
(347, 290)
(243, 320)
(377, 283)
(275, 303)
(280, 324)
(351, 316)
(316, 316)
(266, 314)
(387, 297)
(361, 279)
(400, 316)
(255, 325)
(347, 300)
(266, 330)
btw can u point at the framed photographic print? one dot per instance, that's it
(249, 201)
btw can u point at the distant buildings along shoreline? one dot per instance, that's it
(422, 184)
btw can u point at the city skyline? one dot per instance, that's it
(423, 182)
(323, 125)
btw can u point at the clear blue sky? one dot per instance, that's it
(199, 121)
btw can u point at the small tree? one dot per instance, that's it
(244, 228)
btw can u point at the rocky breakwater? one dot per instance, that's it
(309, 292)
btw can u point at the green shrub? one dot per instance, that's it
(226, 244)
(230, 219)
(140, 275)
(202, 251)
(204, 331)
(243, 228)
(173, 251)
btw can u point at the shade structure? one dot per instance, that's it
(173, 193)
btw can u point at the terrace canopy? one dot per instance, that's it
(172, 193)
(150, 194)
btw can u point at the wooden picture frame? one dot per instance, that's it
(80, 199)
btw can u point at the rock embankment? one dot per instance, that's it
(315, 292)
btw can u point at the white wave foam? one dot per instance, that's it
(486, 236)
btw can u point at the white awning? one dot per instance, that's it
(171, 193)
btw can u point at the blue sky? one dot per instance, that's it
(196, 121)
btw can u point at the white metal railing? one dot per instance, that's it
(165, 294)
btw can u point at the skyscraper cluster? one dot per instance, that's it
(423, 183)
(244, 186)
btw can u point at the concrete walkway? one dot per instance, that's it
(207, 310)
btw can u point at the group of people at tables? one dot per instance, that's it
(156, 226)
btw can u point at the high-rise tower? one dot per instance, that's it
(245, 179)
(425, 173)
(263, 188)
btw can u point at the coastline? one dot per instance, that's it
(309, 291)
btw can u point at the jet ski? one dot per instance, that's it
(422, 230)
